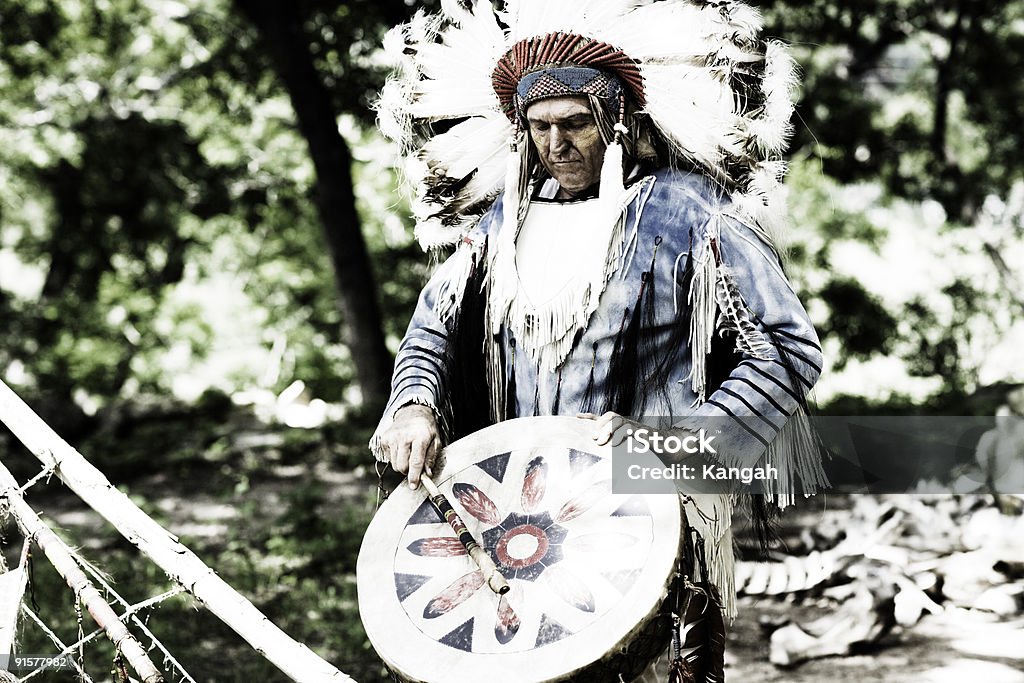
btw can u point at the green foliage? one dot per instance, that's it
(151, 148)
(858, 319)
(938, 342)
(911, 93)
(907, 102)
(97, 190)
(345, 38)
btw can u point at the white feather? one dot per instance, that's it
(454, 78)
(590, 18)
(467, 146)
(662, 31)
(762, 204)
(455, 11)
(432, 234)
(745, 19)
(393, 117)
(423, 27)
(767, 176)
(595, 17)
(691, 109)
(394, 45)
(773, 128)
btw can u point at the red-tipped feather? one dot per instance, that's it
(437, 547)
(507, 625)
(476, 503)
(583, 502)
(570, 588)
(534, 484)
(454, 595)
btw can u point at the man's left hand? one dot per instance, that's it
(610, 427)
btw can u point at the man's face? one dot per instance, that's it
(568, 141)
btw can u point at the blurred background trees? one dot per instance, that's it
(177, 188)
(194, 195)
(907, 195)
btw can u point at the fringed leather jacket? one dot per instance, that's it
(696, 320)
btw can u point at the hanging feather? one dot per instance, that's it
(587, 402)
(759, 204)
(702, 637)
(678, 671)
(710, 516)
(734, 317)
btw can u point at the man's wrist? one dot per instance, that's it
(415, 409)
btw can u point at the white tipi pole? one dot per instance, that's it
(181, 564)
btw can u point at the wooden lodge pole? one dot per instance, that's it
(61, 556)
(295, 659)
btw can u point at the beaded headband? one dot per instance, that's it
(567, 81)
(560, 50)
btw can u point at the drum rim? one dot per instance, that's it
(378, 603)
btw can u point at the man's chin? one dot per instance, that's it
(573, 185)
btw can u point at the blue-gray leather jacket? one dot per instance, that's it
(671, 225)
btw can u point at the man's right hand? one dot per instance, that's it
(412, 442)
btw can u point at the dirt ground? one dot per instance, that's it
(958, 644)
(948, 648)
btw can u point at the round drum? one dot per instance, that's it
(589, 570)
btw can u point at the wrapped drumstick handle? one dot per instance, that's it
(494, 579)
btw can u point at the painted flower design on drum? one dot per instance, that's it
(523, 546)
(559, 536)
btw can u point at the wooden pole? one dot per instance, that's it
(492, 576)
(63, 561)
(294, 659)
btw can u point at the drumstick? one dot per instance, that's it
(494, 579)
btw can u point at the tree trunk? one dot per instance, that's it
(943, 88)
(280, 27)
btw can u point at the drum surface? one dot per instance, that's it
(588, 569)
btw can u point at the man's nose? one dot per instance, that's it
(557, 142)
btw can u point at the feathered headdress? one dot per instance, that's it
(718, 95)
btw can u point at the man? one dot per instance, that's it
(605, 281)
